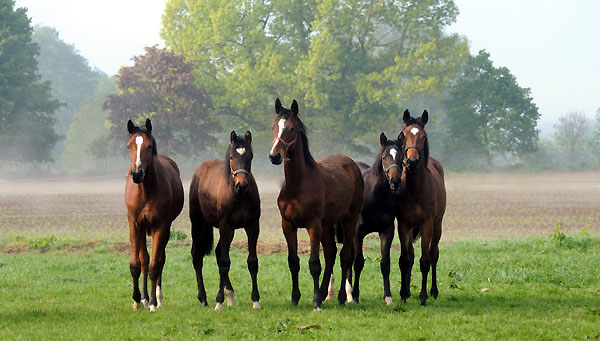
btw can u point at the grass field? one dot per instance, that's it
(519, 259)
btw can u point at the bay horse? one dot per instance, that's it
(154, 198)
(420, 206)
(323, 196)
(382, 182)
(224, 195)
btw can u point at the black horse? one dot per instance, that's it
(382, 181)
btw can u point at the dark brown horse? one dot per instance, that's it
(382, 182)
(324, 197)
(420, 206)
(154, 198)
(224, 195)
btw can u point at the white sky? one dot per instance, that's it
(551, 46)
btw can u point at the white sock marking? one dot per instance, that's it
(330, 289)
(348, 291)
(230, 299)
(159, 296)
(388, 300)
(138, 161)
(219, 306)
(414, 131)
(281, 125)
(255, 305)
(241, 150)
(393, 153)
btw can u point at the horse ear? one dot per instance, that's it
(248, 137)
(278, 106)
(233, 136)
(148, 126)
(406, 117)
(131, 128)
(383, 139)
(401, 138)
(294, 107)
(424, 117)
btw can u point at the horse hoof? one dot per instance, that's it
(330, 297)
(317, 309)
(136, 306)
(230, 298)
(144, 302)
(256, 305)
(388, 300)
(153, 308)
(219, 306)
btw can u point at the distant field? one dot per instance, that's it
(519, 260)
(479, 205)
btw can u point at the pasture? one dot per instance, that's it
(518, 259)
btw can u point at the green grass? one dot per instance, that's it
(529, 288)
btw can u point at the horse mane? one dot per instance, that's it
(308, 158)
(240, 142)
(377, 163)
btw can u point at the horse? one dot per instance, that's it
(382, 182)
(154, 198)
(420, 206)
(323, 196)
(224, 195)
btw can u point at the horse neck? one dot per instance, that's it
(414, 181)
(295, 168)
(151, 176)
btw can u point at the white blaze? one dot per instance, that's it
(414, 131)
(138, 161)
(241, 150)
(281, 125)
(393, 153)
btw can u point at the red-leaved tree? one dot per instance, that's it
(161, 86)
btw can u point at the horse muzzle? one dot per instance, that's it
(240, 188)
(412, 165)
(275, 159)
(137, 176)
(395, 184)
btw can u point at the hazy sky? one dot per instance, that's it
(551, 46)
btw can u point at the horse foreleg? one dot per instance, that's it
(226, 234)
(252, 233)
(144, 260)
(435, 253)
(425, 261)
(314, 264)
(291, 237)
(359, 262)
(329, 252)
(160, 238)
(134, 264)
(407, 256)
(385, 238)
(347, 255)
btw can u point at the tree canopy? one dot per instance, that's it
(27, 109)
(161, 86)
(489, 114)
(351, 64)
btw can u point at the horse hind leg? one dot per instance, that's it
(329, 251)
(359, 262)
(434, 254)
(347, 257)
(252, 232)
(202, 236)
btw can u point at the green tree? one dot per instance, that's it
(595, 143)
(73, 80)
(88, 130)
(570, 134)
(349, 63)
(489, 113)
(26, 107)
(161, 86)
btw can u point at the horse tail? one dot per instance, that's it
(339, 233)
(202, 233)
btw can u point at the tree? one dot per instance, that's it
(595, 143)
(570, 133)
(489, 113)
(26, 107)
(72, 79)
(88, 130)
(349, 63)
(161, 86)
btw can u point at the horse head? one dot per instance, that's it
(142, 150)
(239, 158)
(413, 140)
(391, 161)
(286, 131)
